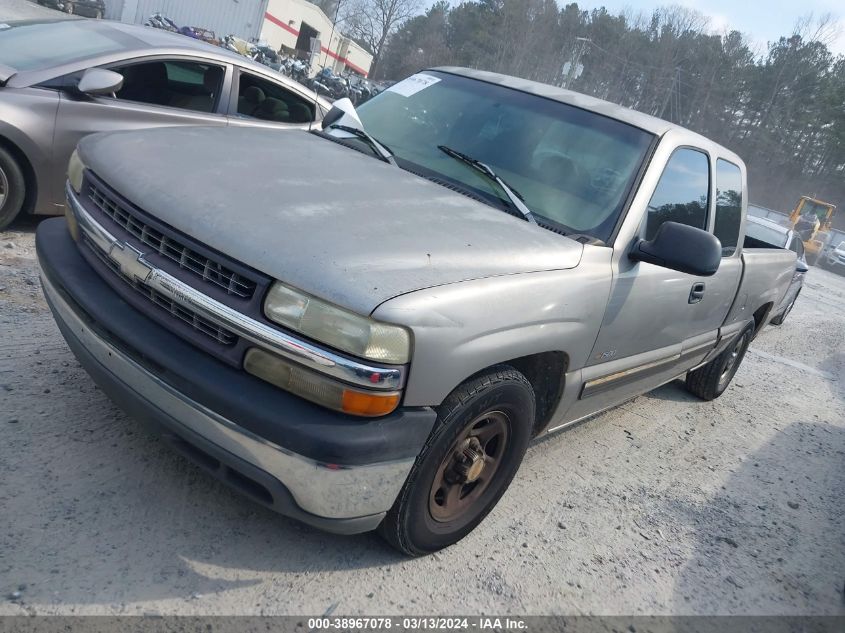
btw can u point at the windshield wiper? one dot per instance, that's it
(512, 196)
(381, 150)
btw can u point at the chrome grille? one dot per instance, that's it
(196, 321)
(204, 267)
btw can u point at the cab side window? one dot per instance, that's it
(682, 192)
(172, 83)
(262, 99)
(728, 205)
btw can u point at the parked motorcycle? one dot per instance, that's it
(199, 33)
(327, 83)
(158, 21)
(300, 70)
(263, 53)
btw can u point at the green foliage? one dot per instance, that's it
(783, 110)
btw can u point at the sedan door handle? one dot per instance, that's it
(697, 292)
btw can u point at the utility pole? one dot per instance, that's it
(331, 36)
(573, 65)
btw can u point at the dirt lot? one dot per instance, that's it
(665, 505)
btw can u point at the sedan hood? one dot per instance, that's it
(318, 215)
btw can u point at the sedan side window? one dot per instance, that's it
(174, 84)
(259, 98)
(682, 193)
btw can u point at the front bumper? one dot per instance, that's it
(347, 473)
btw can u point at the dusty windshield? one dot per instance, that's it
(571, 166)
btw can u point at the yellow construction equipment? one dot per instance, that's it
(812, 220)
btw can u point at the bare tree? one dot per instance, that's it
(372, 22)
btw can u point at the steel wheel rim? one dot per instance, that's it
(470, 466)
(4, 188)
(731, 365)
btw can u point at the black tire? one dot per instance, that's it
(710, 381)
(12, 188)
(506, 397)
(779, 319)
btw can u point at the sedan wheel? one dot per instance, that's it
(12, 188)
(4, 188)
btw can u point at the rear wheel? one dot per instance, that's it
(481, 434)
(710, 381)
(12, 188)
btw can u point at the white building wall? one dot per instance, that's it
(283, 23)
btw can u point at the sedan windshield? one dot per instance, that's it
(41, 45)
(571, 167)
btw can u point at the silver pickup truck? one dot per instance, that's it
(363, 326)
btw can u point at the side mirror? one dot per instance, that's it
(98, 81)
(341, 108)
(332, 116)
(801, 266)
(682, 248)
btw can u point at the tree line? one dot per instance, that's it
(781, 109)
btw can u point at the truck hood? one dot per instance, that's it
(318, 215)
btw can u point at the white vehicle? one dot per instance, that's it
(835, 258)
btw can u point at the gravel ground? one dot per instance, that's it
(666, 505)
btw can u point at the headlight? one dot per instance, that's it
(75, 168)
(339, 328)
(317, 388)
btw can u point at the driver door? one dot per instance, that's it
(660, 322)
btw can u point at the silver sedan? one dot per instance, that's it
(63, 79)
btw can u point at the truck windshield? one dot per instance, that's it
(572, 167)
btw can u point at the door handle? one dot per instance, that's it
(697, 292)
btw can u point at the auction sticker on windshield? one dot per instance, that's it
(413, 84)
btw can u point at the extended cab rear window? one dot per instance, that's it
(32, 45)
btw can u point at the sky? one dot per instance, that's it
(761, 20)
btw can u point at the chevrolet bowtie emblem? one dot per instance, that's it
(130, 261)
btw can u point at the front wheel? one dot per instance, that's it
(709, 381)
(477, 444)
(12, 188)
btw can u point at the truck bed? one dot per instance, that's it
(766, 275)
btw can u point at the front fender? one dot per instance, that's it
(27, 121)
(462, 328)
